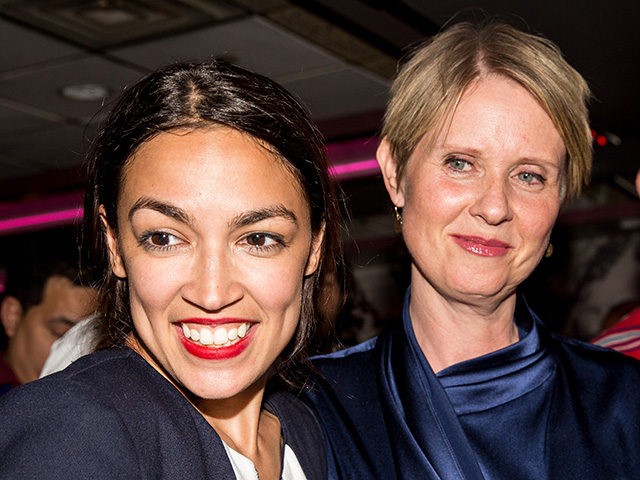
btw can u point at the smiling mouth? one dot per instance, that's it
(216, 337)
(482, 247)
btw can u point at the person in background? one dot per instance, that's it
(210, 216)
(78, 341)
(486, 135)
(624, 334)
(43, 298)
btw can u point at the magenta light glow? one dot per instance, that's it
(50, 219)
(68, 216)
(350, 159)
(354, 169)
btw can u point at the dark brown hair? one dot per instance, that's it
(201, 95)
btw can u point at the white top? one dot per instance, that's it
(246, 470)
(76, 342)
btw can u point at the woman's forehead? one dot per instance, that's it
(207, 167)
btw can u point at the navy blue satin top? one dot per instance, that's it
(545, 407)
(502, 401)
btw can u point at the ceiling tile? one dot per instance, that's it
(22, 47)
(40, 89)
(253, 43)
(341, 93)
(14, 121)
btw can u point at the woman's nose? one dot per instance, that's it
(214, 282)
(492, 202)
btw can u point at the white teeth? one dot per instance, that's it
(218, 336)
(242, 330)
(233, 334)
(206, 337)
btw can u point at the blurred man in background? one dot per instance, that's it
(42, 300)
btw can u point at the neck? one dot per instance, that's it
(240, 420)
(246, 427)
(451, 331)
(23, 374)
(236, 419)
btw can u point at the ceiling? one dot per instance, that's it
(336, 55)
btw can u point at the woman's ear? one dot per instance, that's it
(117, 265)
(315, 253)
(389, 169)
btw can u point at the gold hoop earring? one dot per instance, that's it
(398, 217)
(549, 251)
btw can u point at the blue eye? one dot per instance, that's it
(531, 178)
(457, 164)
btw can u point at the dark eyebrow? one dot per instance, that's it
(244, 219)
(163, 208)
(255, 216)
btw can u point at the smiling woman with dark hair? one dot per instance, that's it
(210, 216)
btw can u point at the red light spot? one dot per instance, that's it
(601, 140)
(594, 134)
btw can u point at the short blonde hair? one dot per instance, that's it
(429, 86)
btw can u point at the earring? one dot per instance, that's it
(398, 214)
(549, 251)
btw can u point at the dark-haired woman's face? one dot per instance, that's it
(215, 240)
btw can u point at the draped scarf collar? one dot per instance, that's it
(502, 376)
(426, 436)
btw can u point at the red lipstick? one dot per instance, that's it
(211, 352)
(482, 246)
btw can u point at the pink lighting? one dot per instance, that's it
(348, 160)
(49, 219)
(353, 158)
(354, 169)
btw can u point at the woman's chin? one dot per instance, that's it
(478, 291)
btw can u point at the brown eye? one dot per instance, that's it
(262, 243)
(160, 239)
(257, 239)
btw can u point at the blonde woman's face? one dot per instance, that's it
(480, 202)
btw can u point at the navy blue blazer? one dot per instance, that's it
(110, 415)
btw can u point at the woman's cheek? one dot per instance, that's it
(279, 286)
(156, 283)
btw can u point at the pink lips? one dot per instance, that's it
(482, 246)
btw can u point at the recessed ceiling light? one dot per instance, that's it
(85, 92)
